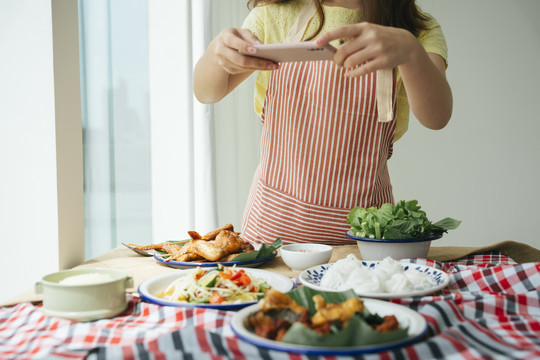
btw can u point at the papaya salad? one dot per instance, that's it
(221, 285)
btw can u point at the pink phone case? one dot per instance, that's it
(286, 52)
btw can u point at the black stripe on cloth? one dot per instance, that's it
(435, 350)
(141, 352)
(398, 354)
(217, 342)
(489, 344)
(179, 345)
(523, 277)
(442, 313)
(264, 353)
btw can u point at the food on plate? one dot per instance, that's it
(308, 317)
(405, 220)
(386, 276)
(221, 245)
(221, 285)
(86, 279)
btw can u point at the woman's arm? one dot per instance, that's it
(376, 47)
(222, 68)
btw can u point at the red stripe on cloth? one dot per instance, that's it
(204, 344)
(411, 353)
(153, 347)
(232, 344)
(294, 356)
(459, 345)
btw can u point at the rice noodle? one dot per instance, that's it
(388, 276)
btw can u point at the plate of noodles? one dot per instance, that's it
(221, 287)
(385, 279)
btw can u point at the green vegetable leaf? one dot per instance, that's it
(405, 220)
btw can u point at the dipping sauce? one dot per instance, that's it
(305, 250)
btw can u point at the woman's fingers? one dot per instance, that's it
(231, 44)
(368, 47)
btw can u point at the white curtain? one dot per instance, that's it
(203, 156)
(155, 164)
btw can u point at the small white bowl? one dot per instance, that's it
(84, 301)
(303, 256)
(378, 249)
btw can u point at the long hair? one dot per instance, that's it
(397, 13)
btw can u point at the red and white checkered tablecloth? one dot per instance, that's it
(490, 310)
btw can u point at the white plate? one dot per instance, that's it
(417, 328)
(192, 264)
(148, 288)
(312, 278)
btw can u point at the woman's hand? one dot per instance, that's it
(372, 47)
(222, 67)
(228, 47)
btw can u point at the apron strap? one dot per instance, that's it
(385, 78)
(299, 27)
(385, 86)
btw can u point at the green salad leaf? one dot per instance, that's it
(356, 333)
(405, 220)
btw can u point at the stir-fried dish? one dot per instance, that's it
(278, 312)
(222, 285)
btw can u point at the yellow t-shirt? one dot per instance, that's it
(272, 23)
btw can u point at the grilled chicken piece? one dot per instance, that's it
(214, 233)
(226, 242)
(221, 244)
(194, 235)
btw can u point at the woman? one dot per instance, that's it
(323, 148)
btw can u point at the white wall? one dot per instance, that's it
(28, 198)
(41, 188)
(483, 168)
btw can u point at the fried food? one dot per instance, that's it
(277, 312)
(340, 312)
(221, 244)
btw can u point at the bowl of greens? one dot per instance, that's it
(399, 231)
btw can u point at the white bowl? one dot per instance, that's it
(303, 256)
(378, 249)
(84, 301)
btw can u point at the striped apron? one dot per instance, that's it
(323, 152)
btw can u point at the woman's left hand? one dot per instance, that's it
(373, 47)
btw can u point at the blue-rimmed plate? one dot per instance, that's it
(417, 329)
(149, 288)
(192, 264)
(312, 278)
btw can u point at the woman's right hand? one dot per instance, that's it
(228, 47)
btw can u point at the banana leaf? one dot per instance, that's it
(356, 333)
(264, 251)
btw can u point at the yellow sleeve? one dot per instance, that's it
(433, 39)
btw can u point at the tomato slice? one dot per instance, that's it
(237, 275)
(216, 298)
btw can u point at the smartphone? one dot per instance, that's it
(287, 52)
